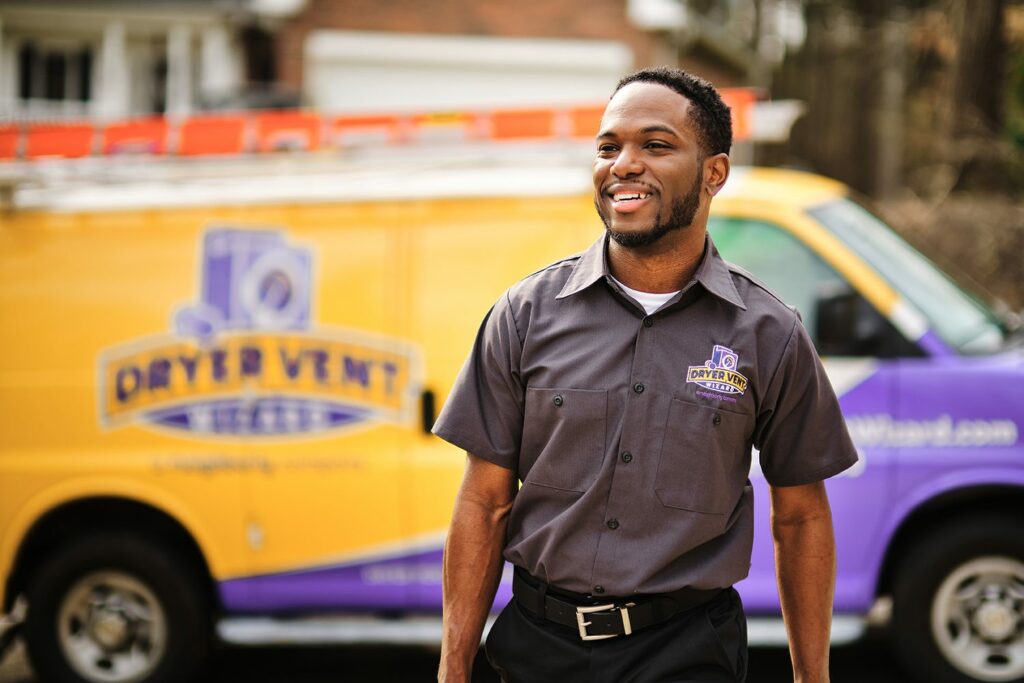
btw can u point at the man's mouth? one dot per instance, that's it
(628, 202)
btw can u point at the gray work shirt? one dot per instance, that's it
(632, 434)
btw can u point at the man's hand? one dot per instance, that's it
(472, 563)
(805, 564)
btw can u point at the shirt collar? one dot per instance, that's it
(712, 273)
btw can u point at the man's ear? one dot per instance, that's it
(716, 172)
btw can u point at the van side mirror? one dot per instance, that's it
(846, 325)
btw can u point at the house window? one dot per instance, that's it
(54, 73)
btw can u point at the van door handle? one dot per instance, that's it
(428, 410)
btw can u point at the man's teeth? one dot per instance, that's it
(630, 195)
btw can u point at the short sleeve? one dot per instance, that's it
(800, 430)
(484, 411)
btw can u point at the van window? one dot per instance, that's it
(850, 327)
(960, 320)
(778, 259)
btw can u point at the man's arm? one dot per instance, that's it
(805, 564)
(472, 562)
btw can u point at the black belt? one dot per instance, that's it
(620, 617)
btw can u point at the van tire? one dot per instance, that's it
(957, 592)
(133, 594)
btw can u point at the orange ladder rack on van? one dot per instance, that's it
(276, 131)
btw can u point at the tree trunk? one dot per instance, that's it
(977, 92)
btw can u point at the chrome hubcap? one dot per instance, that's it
(995, 621)
(112, 628)
(978, 618)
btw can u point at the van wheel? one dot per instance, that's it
(116, 608)
(958, 603)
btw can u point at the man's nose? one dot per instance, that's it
(627, 163)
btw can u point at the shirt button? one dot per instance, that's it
(598, 590)
(638, 388)
(648, 321)
(613, 524)
(558, 401)
(717, 420)
(627, 456)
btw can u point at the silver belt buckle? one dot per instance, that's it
(624, 611)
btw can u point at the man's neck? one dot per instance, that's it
(665, 266)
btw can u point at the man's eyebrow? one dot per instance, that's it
(658, 128)
(654, 128)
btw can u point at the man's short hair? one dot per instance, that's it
(709, 113)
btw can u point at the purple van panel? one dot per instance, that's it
(380, 584)
(956, 426)
(931, 344)
(859, 499)
(404, 582)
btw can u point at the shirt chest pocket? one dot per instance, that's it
(563, 437)
(705, 458)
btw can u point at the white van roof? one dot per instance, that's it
(360, 175)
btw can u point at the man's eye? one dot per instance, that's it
(654, 144)
(606, 149)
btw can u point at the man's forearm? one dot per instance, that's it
(805, 564)
(472, 570)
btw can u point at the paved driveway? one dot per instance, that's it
(866, 661)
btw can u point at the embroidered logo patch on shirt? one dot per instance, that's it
(719, 373)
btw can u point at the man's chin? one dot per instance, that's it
(635, 239)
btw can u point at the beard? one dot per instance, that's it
(681, 216)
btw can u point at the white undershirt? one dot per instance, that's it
(649, 300)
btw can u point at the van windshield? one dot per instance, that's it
(960, 320)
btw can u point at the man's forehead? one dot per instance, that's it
(641, 104)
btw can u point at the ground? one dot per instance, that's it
(866, 661)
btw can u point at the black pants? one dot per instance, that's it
(707, 644)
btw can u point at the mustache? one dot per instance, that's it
(618, 184)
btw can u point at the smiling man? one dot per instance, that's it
(624, 388)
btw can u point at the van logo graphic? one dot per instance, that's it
(719, 374)
(247, 360)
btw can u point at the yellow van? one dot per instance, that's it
(218, 385)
